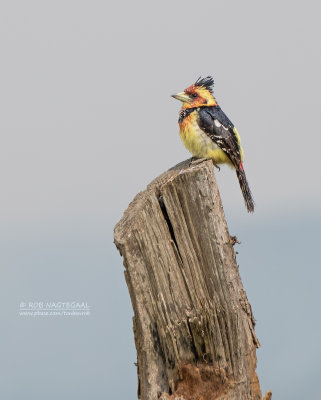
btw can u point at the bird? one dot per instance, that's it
(208, 133)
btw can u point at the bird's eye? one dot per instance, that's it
(194, 95)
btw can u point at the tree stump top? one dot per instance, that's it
(193, 325)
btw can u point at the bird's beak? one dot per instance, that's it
(182, 97)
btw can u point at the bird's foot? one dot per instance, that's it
(216, 165)
(192, 160)
(196, 160)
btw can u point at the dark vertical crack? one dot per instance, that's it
(166, 217)
(170, 227)
(194, 350)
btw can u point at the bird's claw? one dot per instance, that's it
(196, 160)
(215, 165)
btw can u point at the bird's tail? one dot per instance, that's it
(249, 202)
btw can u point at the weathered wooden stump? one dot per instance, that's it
(193, 325)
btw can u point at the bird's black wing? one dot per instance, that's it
(220, 129)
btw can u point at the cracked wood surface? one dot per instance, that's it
(193, 325)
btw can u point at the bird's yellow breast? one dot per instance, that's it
(198, 143)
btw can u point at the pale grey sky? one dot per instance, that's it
(87, 121)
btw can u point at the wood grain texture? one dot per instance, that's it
(193, 325)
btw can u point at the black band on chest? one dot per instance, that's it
(185, 113)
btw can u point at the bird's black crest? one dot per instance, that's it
(207, 82)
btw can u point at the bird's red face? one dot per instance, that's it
(195, 96)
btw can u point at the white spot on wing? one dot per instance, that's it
(217, 123)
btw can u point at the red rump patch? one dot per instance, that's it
(241, 165)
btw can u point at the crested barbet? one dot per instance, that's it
(208, 133)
